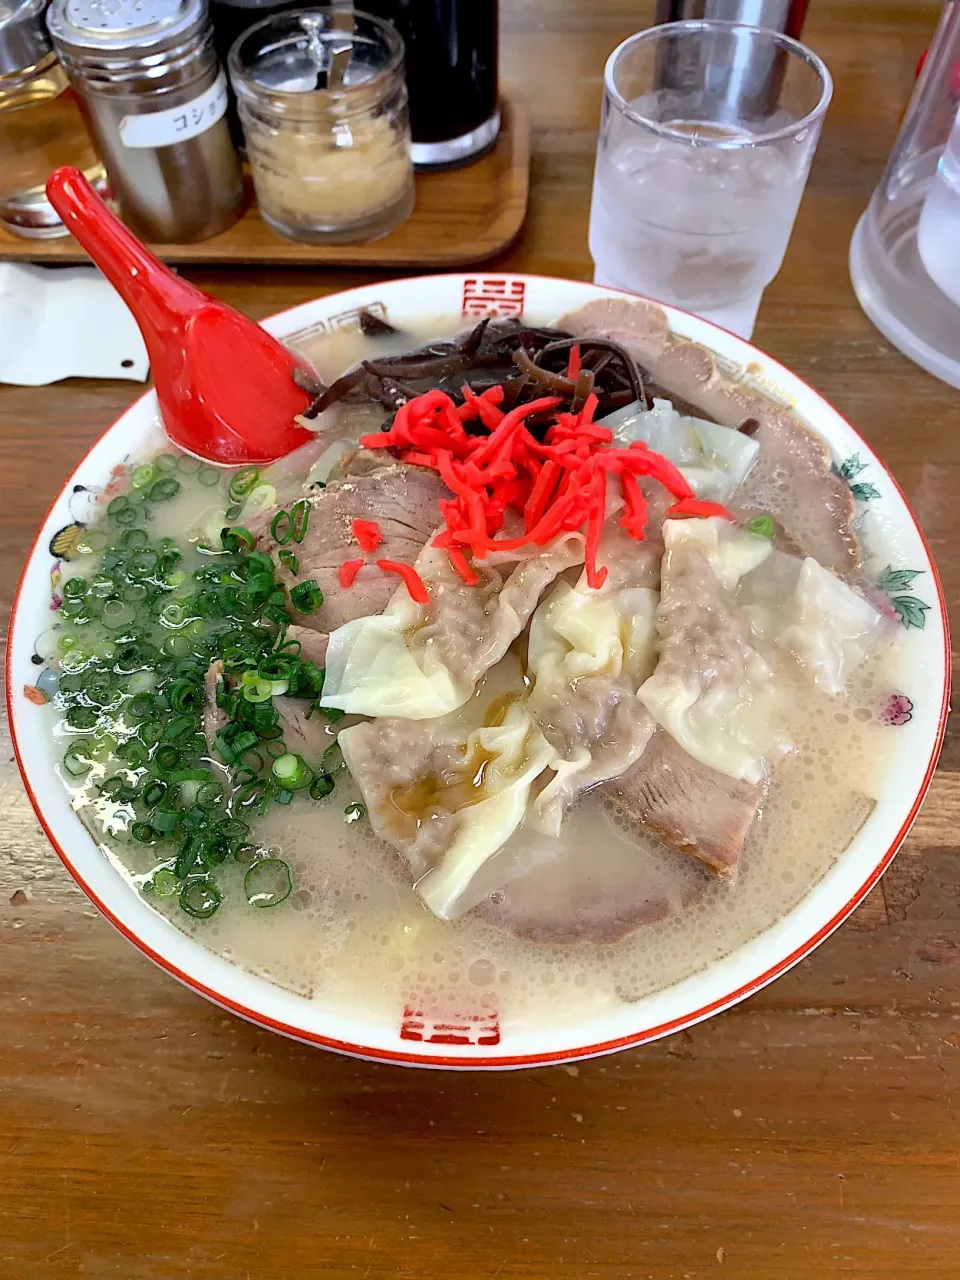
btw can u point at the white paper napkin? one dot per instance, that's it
(65, 322)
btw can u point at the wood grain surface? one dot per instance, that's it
(461, 216)
(809, 1132)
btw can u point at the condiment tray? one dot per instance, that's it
(461, 216)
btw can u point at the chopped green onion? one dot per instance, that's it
(164, 489)
(761, 526)
(143, 833)
(283, 795)
(333, 714)
(243, 482)
(166, 461)
(190, 775)
(200, 897)
(288, 560)
(267, 883)
(166, 758)
(82, 717)
(291, 771)
(133, 753)
(189, 466)
(209, 476)
(332, 759)
(321, 786)
(165, 883)
(235, 538)
(153, 792)
(300, 519)
(117, 613)
(275, 748)
(233, 830)
(178, 728)
(76, 758)
(306, 597)
(144, 476)
(281, 527)
(354, 812)
(74, 588)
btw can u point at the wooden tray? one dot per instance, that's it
(461, 216)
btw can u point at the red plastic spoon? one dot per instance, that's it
(225, 386)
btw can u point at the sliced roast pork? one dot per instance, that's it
(688, 805)
(402, 500)
(792, 479)
(586, 890)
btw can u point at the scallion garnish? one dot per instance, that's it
(243, 482)
(300, 519)
(267, 883)
(761, 526)
(140, 629)
(292, 772)
(306, 597)
(236, 537)
(354, 812)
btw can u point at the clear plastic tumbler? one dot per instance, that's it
(706, 139)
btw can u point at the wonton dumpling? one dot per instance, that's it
(448, 793)
(732, 553)
(423, 661)
(518, 753)
(712, 690)
(829, 628)
(588, 652)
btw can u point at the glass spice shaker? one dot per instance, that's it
(154, 97)
(41, 126)
(323, 106)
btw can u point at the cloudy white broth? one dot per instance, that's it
(530, 698)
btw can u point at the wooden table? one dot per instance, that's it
(810, 1132)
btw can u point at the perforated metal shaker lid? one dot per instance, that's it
(90, 29)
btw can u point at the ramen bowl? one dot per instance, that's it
(418, 1032)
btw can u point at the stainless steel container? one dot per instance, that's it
(154, 96)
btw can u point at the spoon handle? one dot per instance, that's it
(160, 301)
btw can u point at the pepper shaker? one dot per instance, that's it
(155, 97)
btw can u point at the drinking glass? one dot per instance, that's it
(905, 253)
(706, 139)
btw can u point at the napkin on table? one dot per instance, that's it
(65, 322)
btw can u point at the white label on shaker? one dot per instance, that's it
(176, 124)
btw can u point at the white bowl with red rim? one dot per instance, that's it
(917, 715)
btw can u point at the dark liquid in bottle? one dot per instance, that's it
(451, 52)
(231, 18)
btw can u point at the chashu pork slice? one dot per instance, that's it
(793, 478)
(401, 499)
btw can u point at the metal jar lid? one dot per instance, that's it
(23, 36)
(118, 36)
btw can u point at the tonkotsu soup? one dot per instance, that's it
(543, 679)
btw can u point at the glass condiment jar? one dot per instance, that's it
(323, 106)
(155, 97)
(41, 126)
(905, 253)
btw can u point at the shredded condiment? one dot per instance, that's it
(347, 573)
(411, 579)
(368, 534)
(557, 484)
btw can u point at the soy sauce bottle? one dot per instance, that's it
(451, 56)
